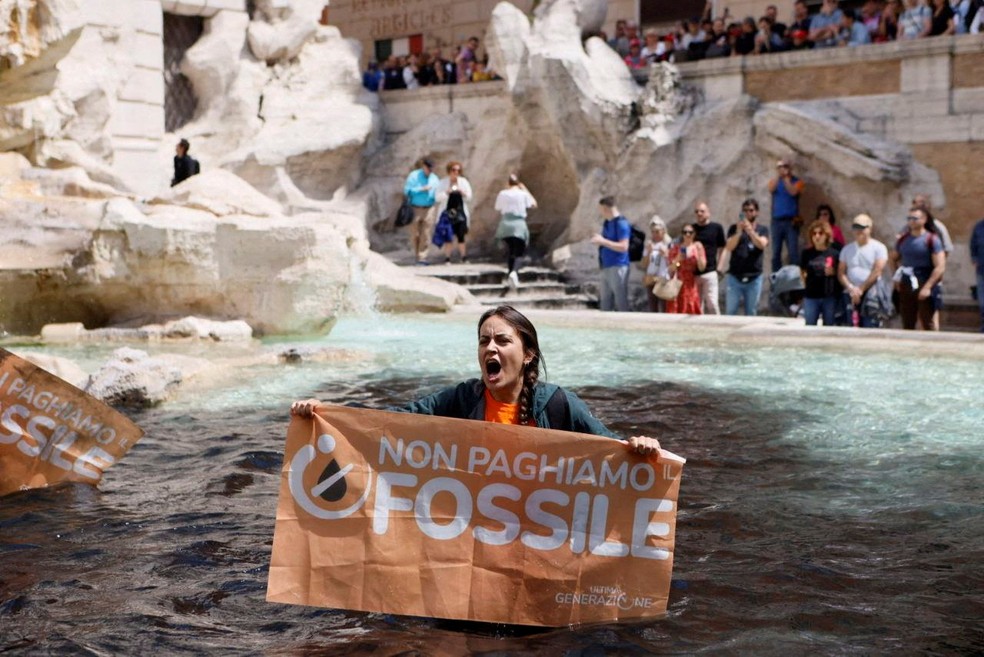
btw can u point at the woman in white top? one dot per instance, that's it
(452, 196)
(513, 202)
(410, 73)
(656, 261)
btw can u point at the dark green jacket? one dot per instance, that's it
(467, 401)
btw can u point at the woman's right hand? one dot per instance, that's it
(305, 408)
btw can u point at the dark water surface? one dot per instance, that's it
(780, 550)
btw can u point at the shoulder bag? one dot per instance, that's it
(667, 288)
(404, 216)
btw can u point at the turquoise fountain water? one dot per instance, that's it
(830, 504)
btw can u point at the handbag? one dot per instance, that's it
(404, 216)
(667, 288)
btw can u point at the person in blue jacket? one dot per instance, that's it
(420, 188)
(509, 391)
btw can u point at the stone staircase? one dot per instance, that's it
(539, 287)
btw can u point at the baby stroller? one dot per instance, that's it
(786, 291)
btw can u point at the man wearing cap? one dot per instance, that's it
(860, 268)
(185, 166)
(711, 235)
(420, 188)
(785, 189)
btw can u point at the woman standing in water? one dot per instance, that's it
(513, 202)
(509, 391)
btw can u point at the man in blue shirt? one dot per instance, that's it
(977, 257)
(785, 189)
(825, 26)
(613, 255)
(420, 188)
(853, 31)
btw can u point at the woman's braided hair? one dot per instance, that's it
(531, 346)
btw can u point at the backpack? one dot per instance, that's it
(558, 411)
(637, 244)
(196, 168)
(930, 236)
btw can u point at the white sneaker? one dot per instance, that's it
(514, 280)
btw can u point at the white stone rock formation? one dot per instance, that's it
(264, 233)
(222, 251)
(136, 379)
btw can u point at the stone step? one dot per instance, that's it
(566, 302)
(526, 289)
(539, 287)
(480, 274)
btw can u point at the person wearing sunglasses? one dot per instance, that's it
(859, 272)
(919, 263)
(687, 258)
(452, 196)
(818, 267)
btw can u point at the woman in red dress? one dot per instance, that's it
(686, 258)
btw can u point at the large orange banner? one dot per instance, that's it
(446, 518)
(50, 431)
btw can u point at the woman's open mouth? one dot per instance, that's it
(493, 369)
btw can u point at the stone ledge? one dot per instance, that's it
(773, 330)
(901, 50)
(206, 8)
(441, 92)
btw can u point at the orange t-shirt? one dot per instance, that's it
(496, 411)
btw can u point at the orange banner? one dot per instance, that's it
(50, 431)
(446, 518)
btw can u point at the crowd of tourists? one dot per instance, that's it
(441, 215)
(430, 68)
(877, 21)
(827, 277)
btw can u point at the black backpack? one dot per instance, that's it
(637, 244)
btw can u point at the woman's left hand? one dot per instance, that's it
(644, 445)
